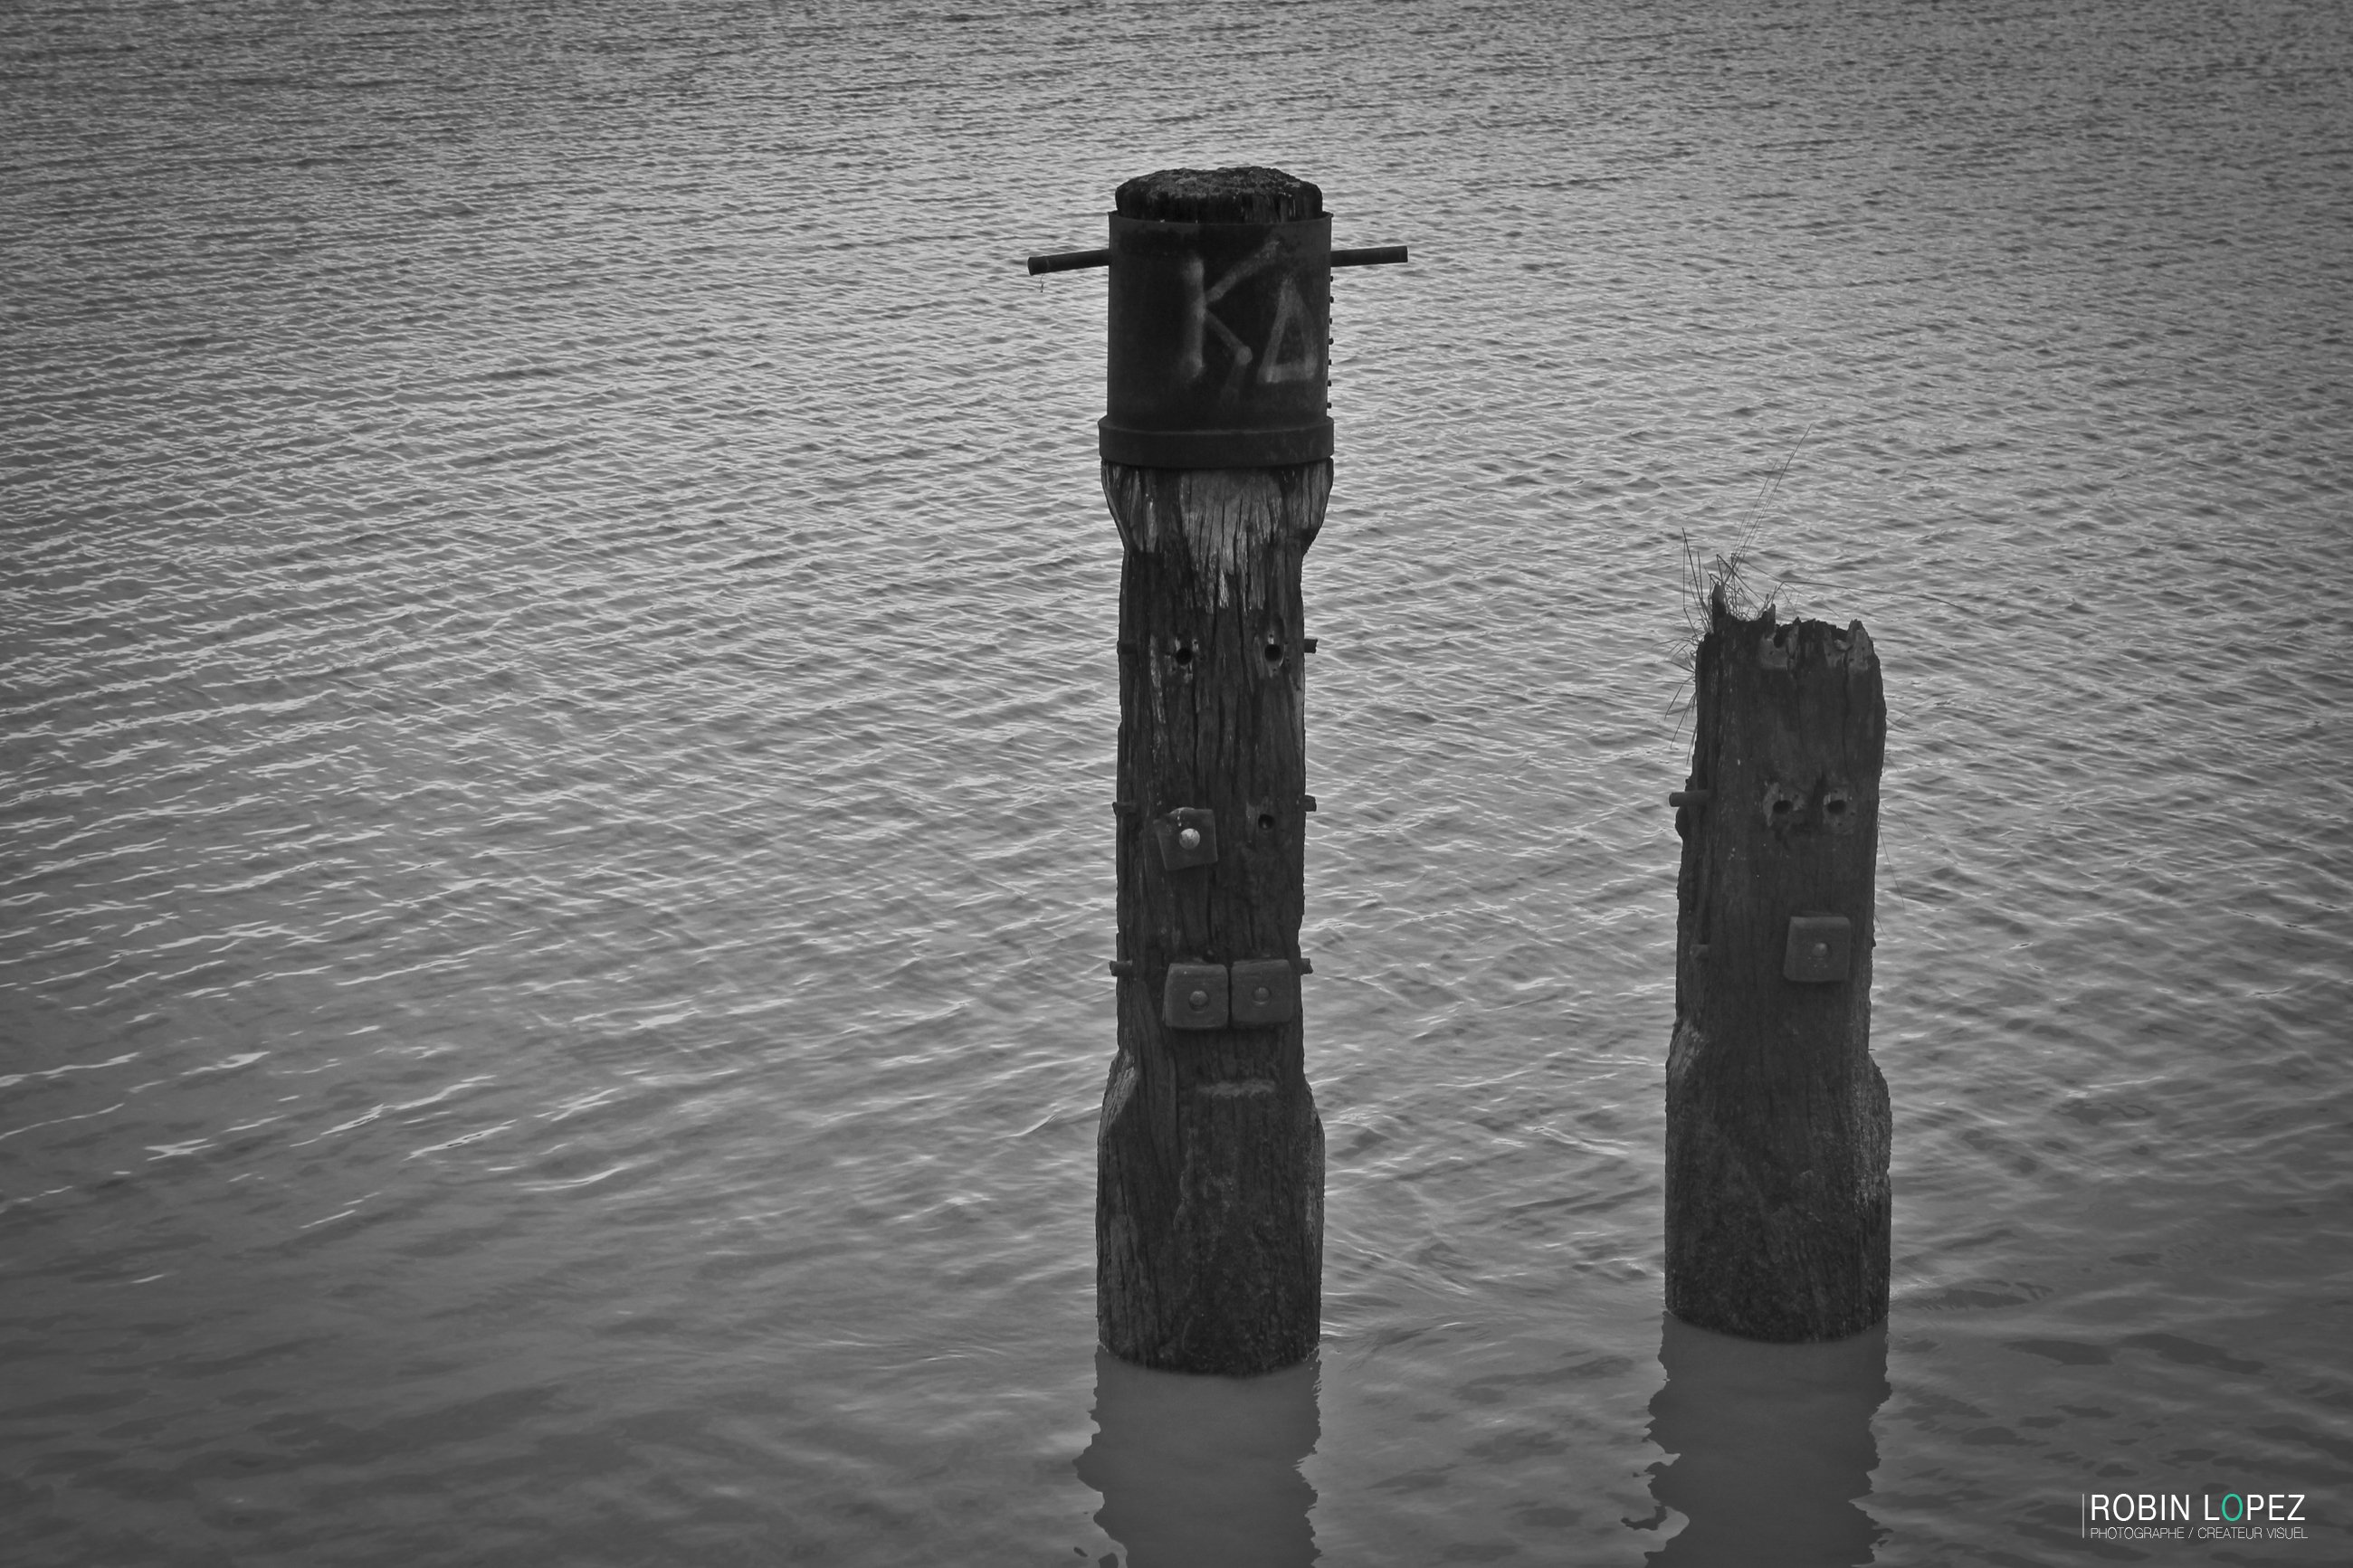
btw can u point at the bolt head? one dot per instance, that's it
(1261, 995)
(1200, 999)
(1190, 838)
(1821, 950)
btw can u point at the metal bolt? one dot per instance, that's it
(1261, 995)
(1190, 838)
(1200, 999)
(1821, 950)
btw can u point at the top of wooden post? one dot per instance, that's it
(1246, 195)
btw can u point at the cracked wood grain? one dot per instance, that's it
(1209, 1206)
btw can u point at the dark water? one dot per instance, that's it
(556, 703)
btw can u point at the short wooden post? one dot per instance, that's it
(1777, 1120)
(1209, 1199)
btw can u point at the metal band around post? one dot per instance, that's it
(1219, 341)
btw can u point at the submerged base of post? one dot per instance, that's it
(1775, 1233)
(1777, 1120)
(1211, 1261)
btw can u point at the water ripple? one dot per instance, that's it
(556, 701)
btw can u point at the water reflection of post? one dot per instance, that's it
(1773, 1444)
(1198, 1470)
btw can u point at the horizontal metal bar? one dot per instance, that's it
(1068, 261)
(1072, 260)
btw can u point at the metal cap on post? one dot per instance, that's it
(1218, 335)
(1221, 330)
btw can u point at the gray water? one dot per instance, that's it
(556, 720)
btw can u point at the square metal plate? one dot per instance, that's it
(1187, 836)
(1265, 990)
(1821, 947)
(1195, 997)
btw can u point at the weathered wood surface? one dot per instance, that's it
(1251, 194)
(1777, 1120)
(1209, 1208)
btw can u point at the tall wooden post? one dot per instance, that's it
(1209, 1200)
(1777, 1120)
(1216, 463)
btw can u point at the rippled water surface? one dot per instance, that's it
(557, 707)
